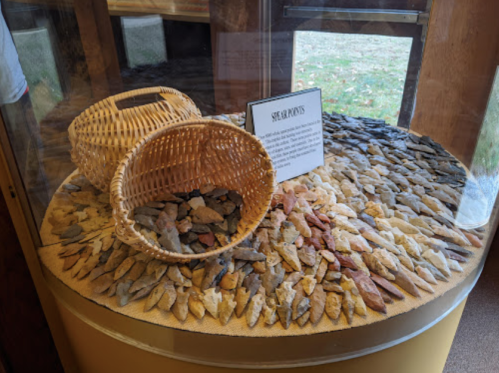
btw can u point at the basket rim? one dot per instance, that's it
(117, 198)
(78, 136)
(110, 102)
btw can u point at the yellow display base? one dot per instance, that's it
(95, 352)
(237, 326)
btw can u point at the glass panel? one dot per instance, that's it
(485, 163)
(144, 40)
(410, 138)
(72, 57)
(42, 77)
(360, 75)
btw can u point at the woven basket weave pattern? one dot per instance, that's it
(183, 157)
(103, 134)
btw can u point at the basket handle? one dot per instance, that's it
(135, 93)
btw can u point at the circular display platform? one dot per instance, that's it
(207, 341)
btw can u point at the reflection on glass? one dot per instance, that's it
(360, 75)
(485, 166)
(43, 79)
(144, 40)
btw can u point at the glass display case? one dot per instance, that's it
(397, 222)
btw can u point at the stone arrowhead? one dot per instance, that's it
(270, 312)
(137, 270)
(375, 266)
(155, 296)
(252, 282)
(301, 321)
(72, 231)
(144, 210)
(170, 240)
(474, 240)
(181, 309)
(333, 305)
(168, 298)
(116, 258)
(367, 290)
(122, 292)
(438, 260)
(384, 294)
(144, 281)
(387, 285)
(307, 255)
(272, 278)
(211, 301)
(226, 308)
(329, 241)
(70, 261)
(308, 283)
(345, 261)
(242, 299)
(317, 304)
(277, 217)
(404, 226)
(313, 219)
(254, 309)
(174, 274)
(357, 242)
(96, 272)
(124, 267)
(426, 275)
(214, 269)
(321, 270)
(410, 200)
(332, 286)
(206, 215)
(285, 294)
(248, 254)
(298, 220)
(284, 312)
(102, 283)
(229, 281)
(288, 201)
(289, 254)
(349, 285)
(328, 255)
(290, 234)
(195, 303)
(418, 281)
(402, 280)
(348, 306)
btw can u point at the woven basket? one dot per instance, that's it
(183, 157)
(102, 134)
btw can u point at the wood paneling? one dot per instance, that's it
(411, 81)
(459, 63)
(360, 4)
(243, 79)
(98, 43)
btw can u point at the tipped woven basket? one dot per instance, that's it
(183, 157)
(102, 134)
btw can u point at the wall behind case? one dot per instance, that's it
(459, 63)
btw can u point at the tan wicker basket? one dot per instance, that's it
(102, 134)
(183, 157)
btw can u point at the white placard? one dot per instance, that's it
(290, 127)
